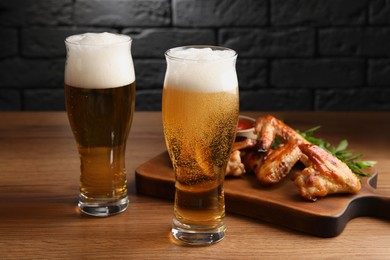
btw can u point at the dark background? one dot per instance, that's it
(331, 55)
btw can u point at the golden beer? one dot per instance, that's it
(99, 95)
(101, 120)
(199, 126)
(199, 131)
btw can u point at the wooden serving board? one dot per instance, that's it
(280, 204)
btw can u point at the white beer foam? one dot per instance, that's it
(201, 69)
(99, 60)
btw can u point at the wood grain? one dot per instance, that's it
(39, 178)
(279, 204)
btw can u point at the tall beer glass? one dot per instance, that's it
(99, 95)
(200, 112)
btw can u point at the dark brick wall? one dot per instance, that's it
(293, 54)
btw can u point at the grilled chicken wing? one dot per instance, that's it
(244, 144)
(269, 127)
(265, 129)
(278, 163)
(252, 159)
(326, 175)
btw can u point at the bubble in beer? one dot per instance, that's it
(201, 69)
(99, 60)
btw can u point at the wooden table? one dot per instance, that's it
(39, 178)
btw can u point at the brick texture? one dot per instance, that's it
(44, 99)
(379, 12)
(292, 54)
(49, 42)
(148, 100)
(149, 73)
(152, 43)
(353, 100)
(252, 73)
(122, 12)
(318, 12)
(379, 72)
(32, 74)
(219, 13)
(269, 42)
(318, 73)
(9, 42)
(369, 42)
(10, 100)
(276, 100)
(37, 12)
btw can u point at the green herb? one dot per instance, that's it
(341, 152)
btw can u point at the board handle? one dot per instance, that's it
(373, 202)
(374, 206)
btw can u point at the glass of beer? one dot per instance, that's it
(99, 96)
(200, 107)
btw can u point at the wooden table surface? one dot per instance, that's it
(39, 178)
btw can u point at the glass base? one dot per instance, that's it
(102, 208)
(197, 235)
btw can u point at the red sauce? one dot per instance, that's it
(244, 124)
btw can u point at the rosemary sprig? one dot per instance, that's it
(341, 152)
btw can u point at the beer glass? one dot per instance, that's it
(200, 111)
(99, 96)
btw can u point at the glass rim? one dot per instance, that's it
(126, 39)
(213, 47)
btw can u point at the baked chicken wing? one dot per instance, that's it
(326, 175)
(278, 163)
